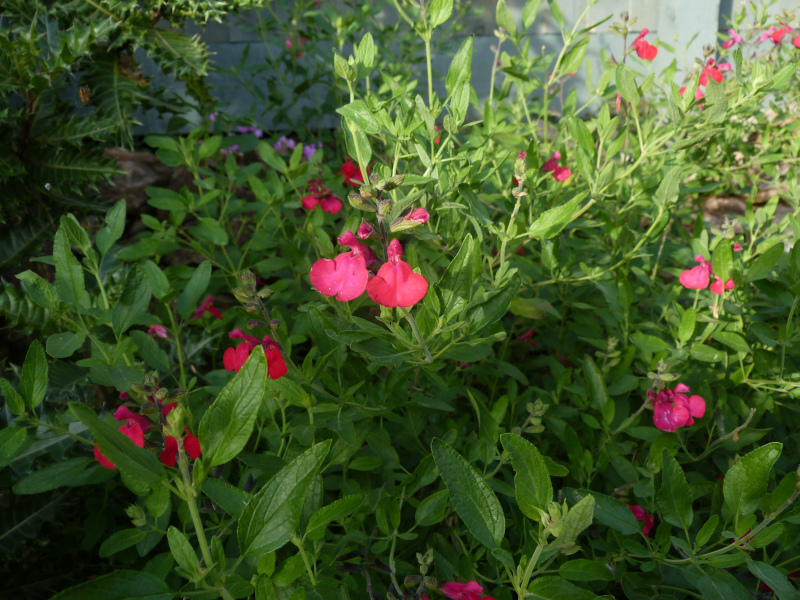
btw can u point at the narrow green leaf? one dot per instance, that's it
(608, 510)
(40, 290)
(776, 580)
(59, 474)
(582, 569)
(113, 229)
(121, 540)
(626, 85)
(182, 551)
(598, 393)
(440, 11)
(475, 503)
(358, 112)
(552, 222)
(763, 265)
(12, 441)
(33, 384)
(706, 531)
(455, 284)
(70, 283)
(15, 402)
(577, 520)
(532, 486)
(119, 585)
(675, 496)
(529, 12)
(133, 302)
(270, 519)
(551, 587)
(230, 499)
(336, 510)
(504, 18)
(722, 260)
(686, 329)
(746, 481)
(573, 58)
(227, 424)
(460, 70)
(189, 299)
(431, 509)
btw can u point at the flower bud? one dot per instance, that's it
(242, 295)
(374, 178)
(430, 583)
(175, 421)
(412, 581)
(247, 278)
(160, 394)
(384, 206)
(274, 324)
(265, 293)
(367, 231)
(256, 324)
(409, 220)
(359, 202)
(176, 394)
(366, 192)
(394, 182)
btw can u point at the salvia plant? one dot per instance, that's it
(464, 348)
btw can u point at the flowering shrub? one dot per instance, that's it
(497, 382)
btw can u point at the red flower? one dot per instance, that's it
(205, 307)
(190, 444)
(438, 137)
(778, 34)
(737, 247)
(673, 409)
(134, 428)
(695, 278)
(559, 173)
(644, 50)
(367, 230)
(157, 330)
(234, 358)
(717, 286)
(734, 39)
(710, 71)
(528, 335)
(346, 275)
(640, 515)
(796, 41)
(396, 284)
(471, 590)
(321, 196)
(351, 172)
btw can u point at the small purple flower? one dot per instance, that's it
(259, 132)
(310, 150)
(212, 117)
(243, 130)
(284, 145)
(157, 330)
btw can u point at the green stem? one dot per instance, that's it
(420, 339)
(299, 543)
(176, 336)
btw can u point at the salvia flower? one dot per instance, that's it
(351, 172)
(734, 39)
(234, 358)
(396, 284)
(719, 289)
(409, 220)
(767, 34)
(551, 166)
(697, 278)
(796, 41)
(205, 307)
(157, 330)
(367, 231)
(320, 196)
(190, 444)
(344, 277)
(644, 50)
(641, 515)
(777, 34)
(710, 71)
(472, 590)
(134, 427)
(528, 336)
(737, 247)
(673, 408)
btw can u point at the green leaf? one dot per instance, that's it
(722, 260)
(64, 345)
(582, 569)
(209, 146)
(359, 113)
(210, 230)
(609, 511)
(54, 476)
(230, 499)
(721, 585)
(504, 18)
(455, 284)
(649, 343)
(271, 157)
(33, 383)
(460, 70)
(15, 402)
(555, 12)
(494, 305)
(113, 229)
(573, 58)
(598, 393)
(532, 486)
(75, 233)
(686, 328)
(675, 496)
(271, 517)
(440, 11)
(577, 520)
(366, 55)
(12, 440)
(552, 587)
(706, 353)
(336, 510)
(227, 424)
(706, 531)
(121, 540)
(552, 222)
(763, 265)
(746, 481)
(733, 340)
(189, 299)
(475, 503)
(182, 550)
(529, 12)
(39, 290)
(70, 283)
(430, 510)
(776, 580)
(669, 187)
(158, 281)
(119, 585)
(626, 84)
(154, 356)
(136, 463)
(133, 302)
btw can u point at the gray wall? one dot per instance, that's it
(686, 25)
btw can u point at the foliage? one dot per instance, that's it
(279, 433)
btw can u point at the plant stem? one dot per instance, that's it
(420, 339)
(299, 543)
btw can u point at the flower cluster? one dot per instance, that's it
(698, 278)
(776, 34)
(709, 71)
(351, 172)
(644, 50)
(320, 196)
(285, 145)
(472, 590)
(551, 166)
(641, 515)
(734, 39)
(673, 408)
(234, 358)
(206, 307)
(391, 284)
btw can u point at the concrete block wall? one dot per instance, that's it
(686, 25)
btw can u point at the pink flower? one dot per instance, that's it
(767, 34)
(710, 71)
(796, 41)
(528, 335)
(438, 137)
(190, 443)
(471, 590)
(419, 216)
(234, 358)
(212, 117)
(559, 173)
(695, 278)
(205, 307)
(734, 39)
(321, 196)
(737, 247)
(351, 172)
(673, 409)
(641, 515)
(717, 287)
(157, 330)
(134, 428)
(726, 66)
(367, 231)
(346, 275)
(396, 284)
(124, 396)
(704, 263)
(644, 50)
